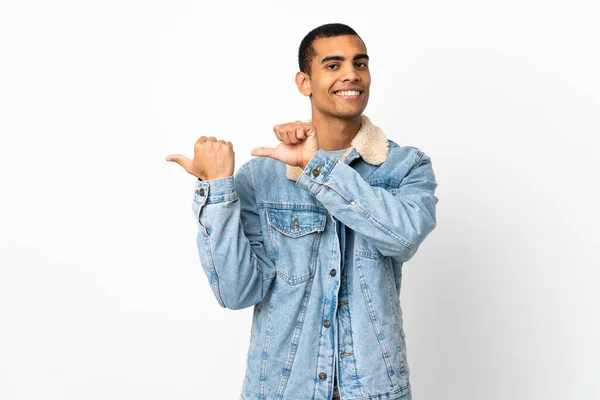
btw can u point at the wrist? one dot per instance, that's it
(215, 178)
(305, 162)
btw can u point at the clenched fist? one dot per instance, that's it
(298, 144)
(213, 159)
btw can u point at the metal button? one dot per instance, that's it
(326, 323)
(315, 172)
(295, 226)
(200, 192)
(332, 272)
(322, 376)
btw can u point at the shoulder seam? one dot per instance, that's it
(246, 169)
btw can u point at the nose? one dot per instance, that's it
(350, 74)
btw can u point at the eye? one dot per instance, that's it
(361, 64)
(332, 67)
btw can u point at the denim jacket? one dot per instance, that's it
(324, 305)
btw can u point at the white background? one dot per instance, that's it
(101, 292)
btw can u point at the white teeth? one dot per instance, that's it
(348, 93)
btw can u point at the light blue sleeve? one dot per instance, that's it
(395, 223)
(230, 241)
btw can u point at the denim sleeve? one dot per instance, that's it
(230, 241)
(394, 222)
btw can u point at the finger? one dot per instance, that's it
(182, 160)
(277, 131)
(309, 130)
(263, 152)
(212, 139)
(201, 139)
(283, 133)
(300, 133)
(227, 144)
(291, 134)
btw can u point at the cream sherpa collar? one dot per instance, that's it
(370, 143)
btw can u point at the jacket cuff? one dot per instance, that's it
(316, 171)
(214, 191)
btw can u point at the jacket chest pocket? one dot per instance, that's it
(296, 234)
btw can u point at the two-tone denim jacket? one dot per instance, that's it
(324, 305)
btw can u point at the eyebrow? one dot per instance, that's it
(340, 58)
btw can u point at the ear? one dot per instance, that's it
(303, 83)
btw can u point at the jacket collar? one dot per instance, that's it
(370, 143)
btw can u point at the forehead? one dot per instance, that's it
(346, 46)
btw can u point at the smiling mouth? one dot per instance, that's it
(348, 93)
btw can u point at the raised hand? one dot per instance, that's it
(213, 159)
(298, 144)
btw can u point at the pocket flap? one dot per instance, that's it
(296, 222)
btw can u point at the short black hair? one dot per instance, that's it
(307, 52)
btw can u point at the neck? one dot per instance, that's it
(335, 133)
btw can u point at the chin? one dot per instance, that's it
(350, 114)
(346, 113)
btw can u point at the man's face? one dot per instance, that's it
(340, 77)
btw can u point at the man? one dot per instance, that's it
(314, 234)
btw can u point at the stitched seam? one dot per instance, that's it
(292, 354)
(254, 259)
(328, 169)
(214, 271)
(395, 317)
(403, 390)
(367, 254)
(317, 231)
(376, 325)
(357, 381)
(321, 338)
(246, 170)
(263, 372)
(221, 198)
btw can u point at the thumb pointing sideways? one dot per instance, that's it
(182, 160)
(263, 152)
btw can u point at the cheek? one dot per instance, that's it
(366, 77)
(323, 94)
